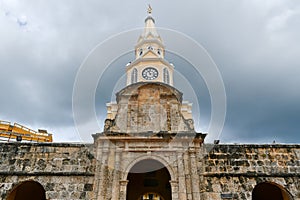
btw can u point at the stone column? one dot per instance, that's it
(174, 189)
(102, 173)
(110, 171)
(187, 174)
(116, 177)
(97, 179)
(181, 177)
(123, 189)
(194, 176)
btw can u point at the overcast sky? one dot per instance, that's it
(254, 43)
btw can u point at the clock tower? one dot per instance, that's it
(148, 132)
(149, 102)
(149, 64)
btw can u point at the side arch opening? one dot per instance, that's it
(270, 191)
(27, 190)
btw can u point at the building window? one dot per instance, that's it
(158, 51)
(166, 76)
(141, 52)
(134, 76)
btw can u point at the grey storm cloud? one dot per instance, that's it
(255, 45)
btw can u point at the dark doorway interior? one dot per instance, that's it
(149, 177)
(270, 191)
(28, 190)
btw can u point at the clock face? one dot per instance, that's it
(150, 73)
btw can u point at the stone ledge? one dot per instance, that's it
(9, 173)
(47, 144)
(255, 145)
(251, 174)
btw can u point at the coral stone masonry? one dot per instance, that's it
(72, 171)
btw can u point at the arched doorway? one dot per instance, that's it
(148, 179)
(28, 190)
(270, 191)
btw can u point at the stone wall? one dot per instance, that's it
(237, 169)
(66, 171)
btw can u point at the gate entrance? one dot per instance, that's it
(148, 180)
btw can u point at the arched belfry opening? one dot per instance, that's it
(148, 179)
(270, 191)
(27, 190)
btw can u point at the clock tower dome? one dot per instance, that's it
(149, 64)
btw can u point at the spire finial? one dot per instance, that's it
(149, 9)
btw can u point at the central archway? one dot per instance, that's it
(148, 179)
